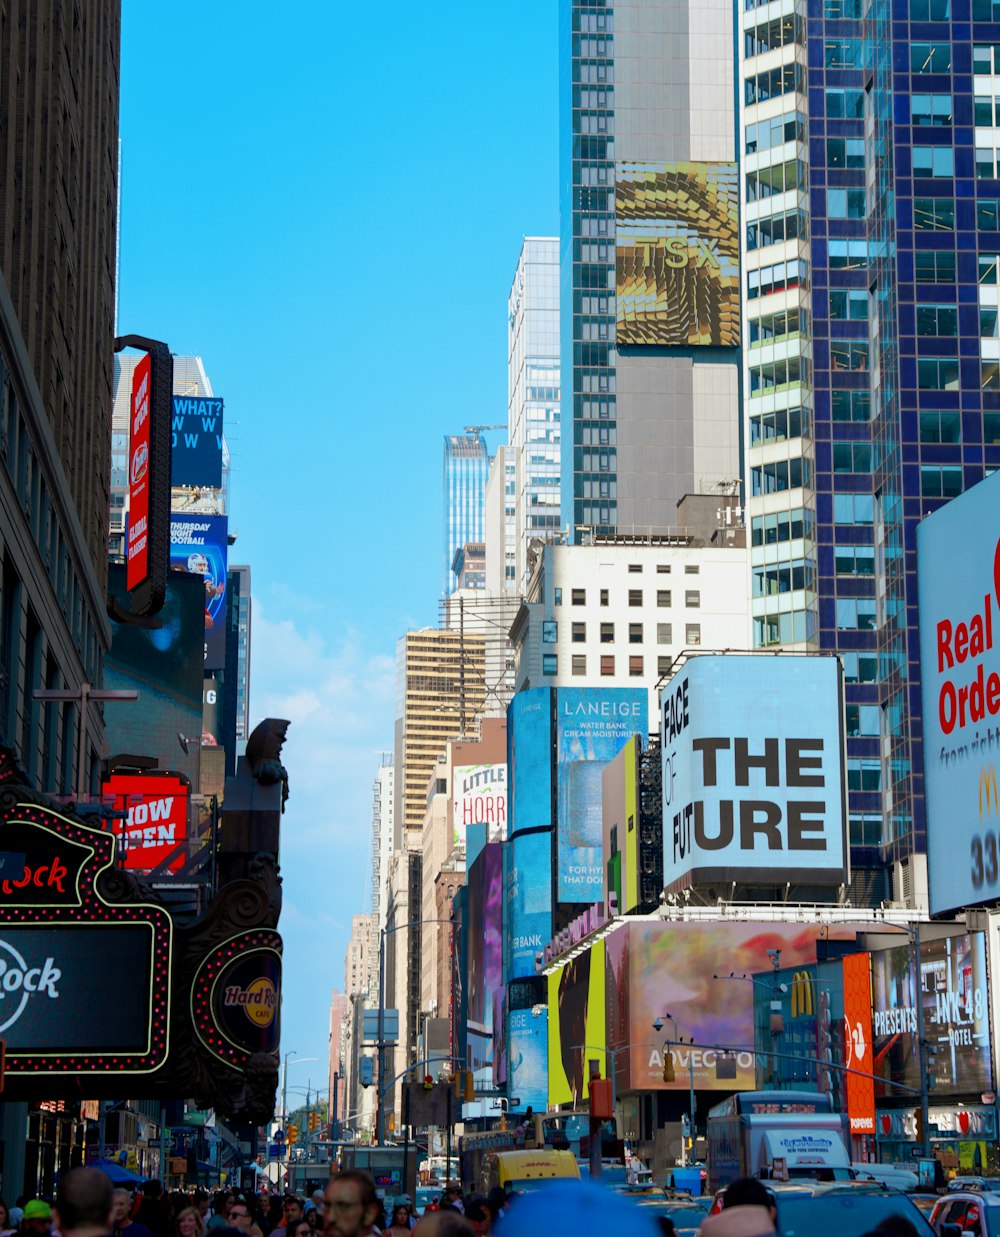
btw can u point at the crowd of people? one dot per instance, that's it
(86, 1205)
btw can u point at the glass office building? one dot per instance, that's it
(869, 243)
(466, 469)
(650, 370)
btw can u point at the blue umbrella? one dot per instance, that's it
(118, 1175)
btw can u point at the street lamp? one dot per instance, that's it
(380, 1042)
(658, 1026)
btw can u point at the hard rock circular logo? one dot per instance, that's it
(258, 1000)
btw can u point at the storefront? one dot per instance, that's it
(962, 1136)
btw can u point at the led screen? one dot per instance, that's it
(576, 1026)
(199, 544)
(958, 585)
(196, 455)
(528, 899)
(677, 243)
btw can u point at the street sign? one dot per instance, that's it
(390, 1026)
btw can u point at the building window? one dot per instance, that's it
(634, 568)
(550, 663)
(941, 320)
(853, 509)
(934, 214)
(991, 426)
(859, 667)
(579, 596)
(936, 482)
(635, 667)
(940, 427)
(604, 597)
(932, 109)
(937, 373)
(579, 633)
(635, 597)
(692, 599)
(663, 569)
(936, 266)
(635, 633)
(557, 597)
(856, 614)
(933, 161)
(579, 664)
(550, 631)
(692, 634)
(864, 775)
(852, 457)
(692, 569)
(931, 58)
(607, 633)
(607, 665)
(854, 560)
(664, 633)
(663, 597)
(663, 665)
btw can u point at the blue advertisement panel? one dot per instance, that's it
(199, 544)
(528, 1059)
(753, 770)
(592, 726)
(196, 456)
(529, 760)
(958, 586)
(528, 901)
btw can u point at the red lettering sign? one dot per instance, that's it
(965, 639)
(155, 827)
(137, 548)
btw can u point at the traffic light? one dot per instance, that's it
(668, 1067)
(313, 1122)
(428, 1082)
(292, 1135)
(465, 1085)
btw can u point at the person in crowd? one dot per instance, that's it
(453, 1196)
(399, 1225)
(37, 1219)
(153, 1210)
(6, 1227)
(241, 1218)
(17, 1211)
(478, 1214)
(496, 1200)
(351, 1204)
(301, 1229)
(443, 1223)
(189, 1223)
(292, 1212)
(121, 1216)
(748, 1210)
(84, 1204)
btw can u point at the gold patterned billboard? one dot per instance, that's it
(677, 248)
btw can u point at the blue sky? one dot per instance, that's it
(326, 202)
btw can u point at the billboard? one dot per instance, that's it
(753, 771)
(958, 588)
(137, 540)
(479, 797)
(857, 974)
(954, 993)
(528, 900)
(527, 1058)
(164, 664)
(196, 454)
(620, 826)
(529, 759)
(485, 951)
(155, 830)
(592, 726)
(199, 544)
(576, 1026)
(677, 244)
(654, 968)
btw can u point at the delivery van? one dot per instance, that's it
(526, 1170)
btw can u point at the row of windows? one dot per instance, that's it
(854, 560)
(777, 33)
(772, 579)
(774, 229)
(771, 374)
(776, 326)
(780, 475)
(773, 83)
(770, 181)
(781, 526)
(775, 132)
(946, 427)
(636, 662)
(606, 631)
(664, 596)
(791, 627)
(778, 426)
(776, 278)
(842, 53)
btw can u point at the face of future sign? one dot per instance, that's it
(752, 751)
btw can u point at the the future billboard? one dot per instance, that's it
(658, 968)
(196, 455)
(955, 995)
(576, 1026)
(677, 244)
(479, 797)
(958, 588)
(199, 544)
(753, 771)
(592, 727)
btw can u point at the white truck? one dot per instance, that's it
(779, 1135)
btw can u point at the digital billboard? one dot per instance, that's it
(196, 454)
(164, 664)
(155, 829)
(199, 544)
(485, 951)
(576, 1026)
(954, 992)
(528, 900)
(753, 771)
(479, 797)
(677, 247)
(655, 968)
(592, 726)
(529, 760)
(620, 826)
(137, 540)
(958, 588)
(527, 1058)
(858, 1056)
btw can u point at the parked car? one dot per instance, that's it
(972, 1211)
(685, 1212)
(844, 1208)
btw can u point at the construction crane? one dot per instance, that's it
(478, 429)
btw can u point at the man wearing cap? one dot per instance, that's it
(37, 1219)
(83, 1204)
(453, 1196)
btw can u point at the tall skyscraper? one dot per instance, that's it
(533, 439)
(466, 469)
(649, 259)
(872, 385)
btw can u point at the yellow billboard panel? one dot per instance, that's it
(576, 1026)
(677, 254)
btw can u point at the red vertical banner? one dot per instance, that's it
(858, 1055)
(137, 548)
